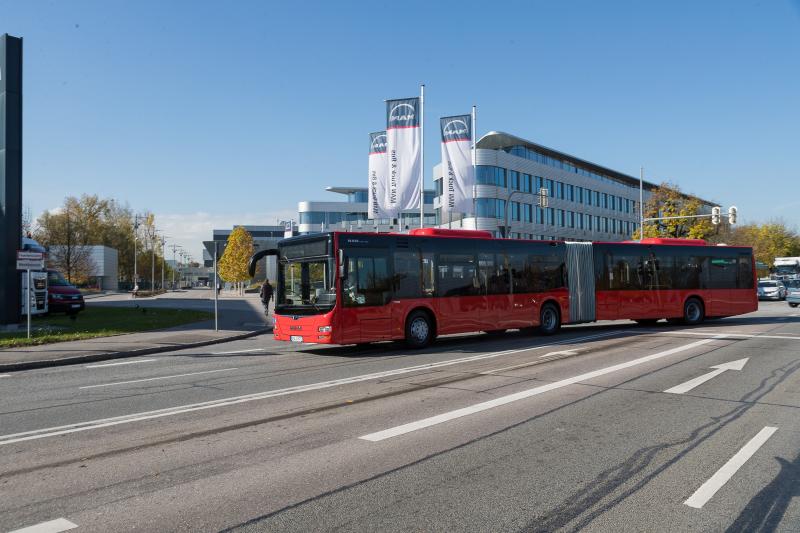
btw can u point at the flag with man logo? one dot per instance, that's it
(404, 148)
(378, 170)
(459, 174)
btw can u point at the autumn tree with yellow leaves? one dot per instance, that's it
(667, 200)
(233, 263)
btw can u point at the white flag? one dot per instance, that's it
(459, 174)
(405, 153)
(378, 175)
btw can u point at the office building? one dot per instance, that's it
(584, 201)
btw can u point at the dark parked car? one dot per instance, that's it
(62, 297)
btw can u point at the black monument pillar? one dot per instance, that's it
(10, 176)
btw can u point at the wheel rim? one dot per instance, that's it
(549, 319)
(420, 329)
(692, 312)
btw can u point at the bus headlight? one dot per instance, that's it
(324, 329)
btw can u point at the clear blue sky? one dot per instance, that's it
(215, 113)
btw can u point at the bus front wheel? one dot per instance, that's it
(549, 320)
(419, 330)
(693, 312)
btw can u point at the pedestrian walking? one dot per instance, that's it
(266, 296)
(135, 291)
(219, 287)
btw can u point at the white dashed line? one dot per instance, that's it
(503, 400)
(51, 526)
(157, 378)
(122, 363)
(170, 411)
(724, 474)
(241, 351)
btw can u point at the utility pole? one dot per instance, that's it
(163, 260)
(174, 265)
(135, 231)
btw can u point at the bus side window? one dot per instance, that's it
(407, 274)
(745, 280)
(367, 280)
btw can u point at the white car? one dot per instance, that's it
(792, 292)
(771, 290)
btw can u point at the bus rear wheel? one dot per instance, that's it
(693, 312)
(549, 320)
(419, 330)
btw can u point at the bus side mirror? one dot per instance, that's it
(340, 260)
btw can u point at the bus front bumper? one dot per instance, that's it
(315, 329)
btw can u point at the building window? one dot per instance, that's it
(539, 182)
(527, 212)
(597, 226)
(527, 183)
(587, 198)
(619, 204)
(613, 202)
(596, 195)
(571, 193)
(605, 201)
(579, 194)
(551, 190)
(605, 224)
(559, 190)
(515, 211)
(539, 215)
(589, 222)
(551, 216)
(513, 178)
(489, 175)
(571, 219)
(560, 217)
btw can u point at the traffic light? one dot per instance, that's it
(715, 214)
(732, 214)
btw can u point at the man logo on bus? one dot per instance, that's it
(405, 114)
(455, 130)
(378, 144)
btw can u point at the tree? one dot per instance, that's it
(238, 250)
(667, 200)
(769, 240)
(64, 233)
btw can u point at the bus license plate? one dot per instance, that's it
(296, 338)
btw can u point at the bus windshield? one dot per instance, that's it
(786, 270)
(306, 282)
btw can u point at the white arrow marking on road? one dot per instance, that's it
(724, 474)
(503, 400)
(692, 383)
(51, 526)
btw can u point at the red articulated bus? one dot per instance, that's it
(353, 288)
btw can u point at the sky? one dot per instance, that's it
(211, 114)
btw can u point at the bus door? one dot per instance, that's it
(460, 304)
(414, 281)
(607, 281)
(366, 294)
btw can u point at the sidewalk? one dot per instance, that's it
(240, 318)
(132, 344)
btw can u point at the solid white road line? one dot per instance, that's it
(5, 375)
(158, 378)
(710, 487)
(503, 400)
(120, 364)
(512, 367)
(692, 383)
(731, 335)
(170, 411)
(240, 351)
(52, 526)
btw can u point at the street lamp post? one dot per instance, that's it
(135, 271)
(508, 202)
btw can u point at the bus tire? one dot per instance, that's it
(693, 312)
(792, 304)
(419, 330)
(549, 319)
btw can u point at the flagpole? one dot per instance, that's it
(474, 162)
(422, 156)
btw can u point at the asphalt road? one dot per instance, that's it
(608, 427)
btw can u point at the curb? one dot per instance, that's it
(78, 359)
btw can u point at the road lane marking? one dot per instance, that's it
(122, 363)
(724, 474)
(743, 335)
(157, 378)
(562, 352)
(170, 411)
(240, 351)
(51, 526)
(503, 400)
(5, 375)
(528, 363)
(696, 382)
